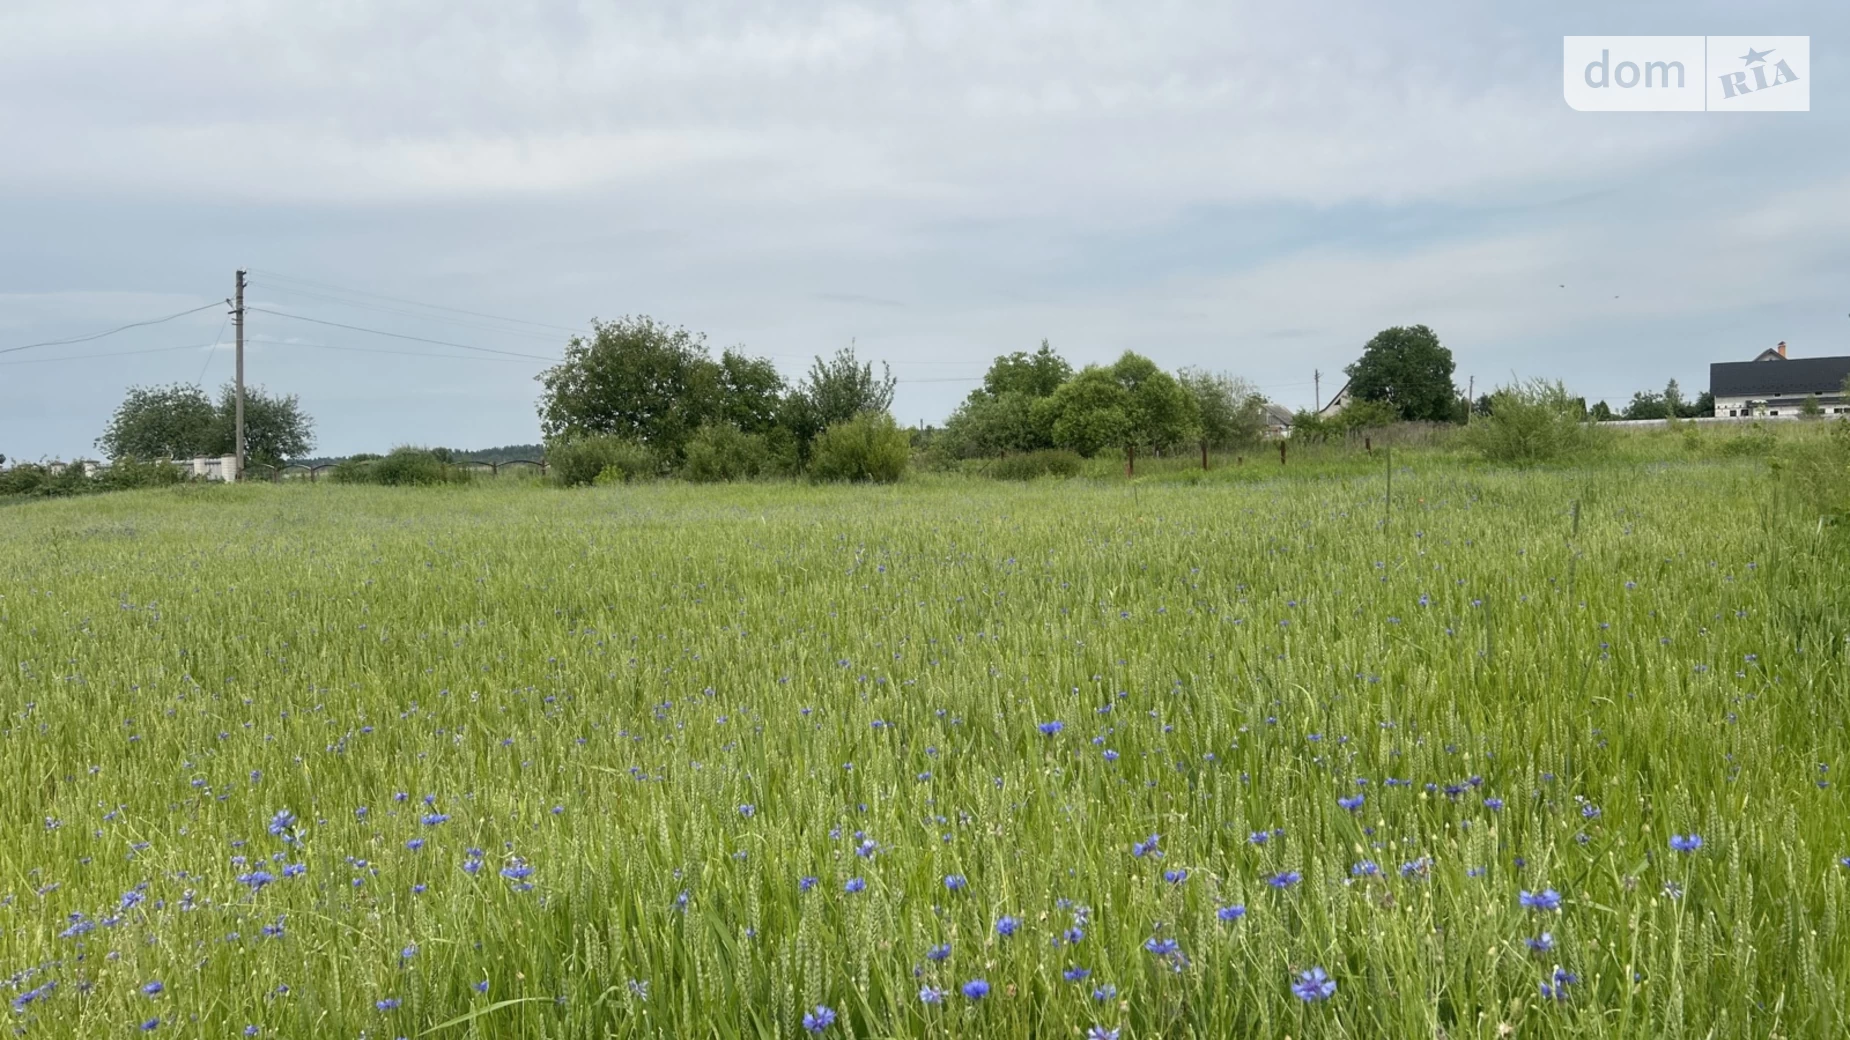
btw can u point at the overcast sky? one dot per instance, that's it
(1245, 187)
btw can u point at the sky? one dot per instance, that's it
(1248, 188)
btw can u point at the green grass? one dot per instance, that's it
(177, 666)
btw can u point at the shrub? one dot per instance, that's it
(1029, 465)
(124, 474)
(404, 467)
(1534, 421)
(870, 446)
(723, 453)
(582, 460)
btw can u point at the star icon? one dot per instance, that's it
(1754, 57)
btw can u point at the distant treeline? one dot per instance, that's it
(504, 453)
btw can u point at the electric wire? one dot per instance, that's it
(111, 332)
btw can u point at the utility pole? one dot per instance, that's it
(237, 315)
(1316, 378)
(1470, 398)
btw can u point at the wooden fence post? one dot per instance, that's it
(1130, 461)
(1281, 452)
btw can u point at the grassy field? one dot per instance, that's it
(952, 758)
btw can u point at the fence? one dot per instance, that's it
(298, 471)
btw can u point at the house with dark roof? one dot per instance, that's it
(1774, 384)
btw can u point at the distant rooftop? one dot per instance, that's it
(1778, 376)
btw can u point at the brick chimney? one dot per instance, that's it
(1782, 348)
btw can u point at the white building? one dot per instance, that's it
(1775, 385)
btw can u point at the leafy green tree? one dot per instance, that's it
(1131, 404)
(842, 387)
(1231, 410)
(1038, 374)
(750, 390)
(1407, 367)
(1646, 404)
(276, 429)
(1601, 412)
(635, 378)
(1534, 421)
(1000, 417)
(153, 422)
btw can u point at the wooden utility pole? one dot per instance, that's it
(237, 315)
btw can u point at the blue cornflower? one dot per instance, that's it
(482, 986)
(1258, 837)
(1686, 844)
(1230, 913)
(1075, 935)
(153, 989)
(854, 884)
(1162, 947)
(1101, 1033)
(1541, 943)
(1007, 925)
(1175, 877)
(866, 848)
(1366, 868)
(281, 823)
(818, 1020)
(976, 989)
(256, 879)
(388, 1004)
(1351, 803)
(408, 952)
(1546, 899)
(415, 844)
(939, 952)
(748, 810)
(252, 1029)
(1076, 974)
(1284, 879)
(1141, 849)
(1314, 985)
(517, 871)
(804, 884)
(1051, 728)
(150, 1025)
(1493, 804)
(931, 995)
(955, 882)
(432, 819)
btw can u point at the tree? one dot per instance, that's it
(1038, 374)
(1810, 408)
(1601, 412)
(750, 391)
(842, 387)
(1407, 367)
(155, 422)
(1128, 405)
(1704, 406)
(633, 377)
(1673, 400)
(275, 427)
(1646, 405)
(1000, 417)
(1231, 410)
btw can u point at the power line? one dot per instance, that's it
(415, 303)
(458, 322)
(216, 337)
(401, 353)
(119, 353)
(401, 335)
(111, 332)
